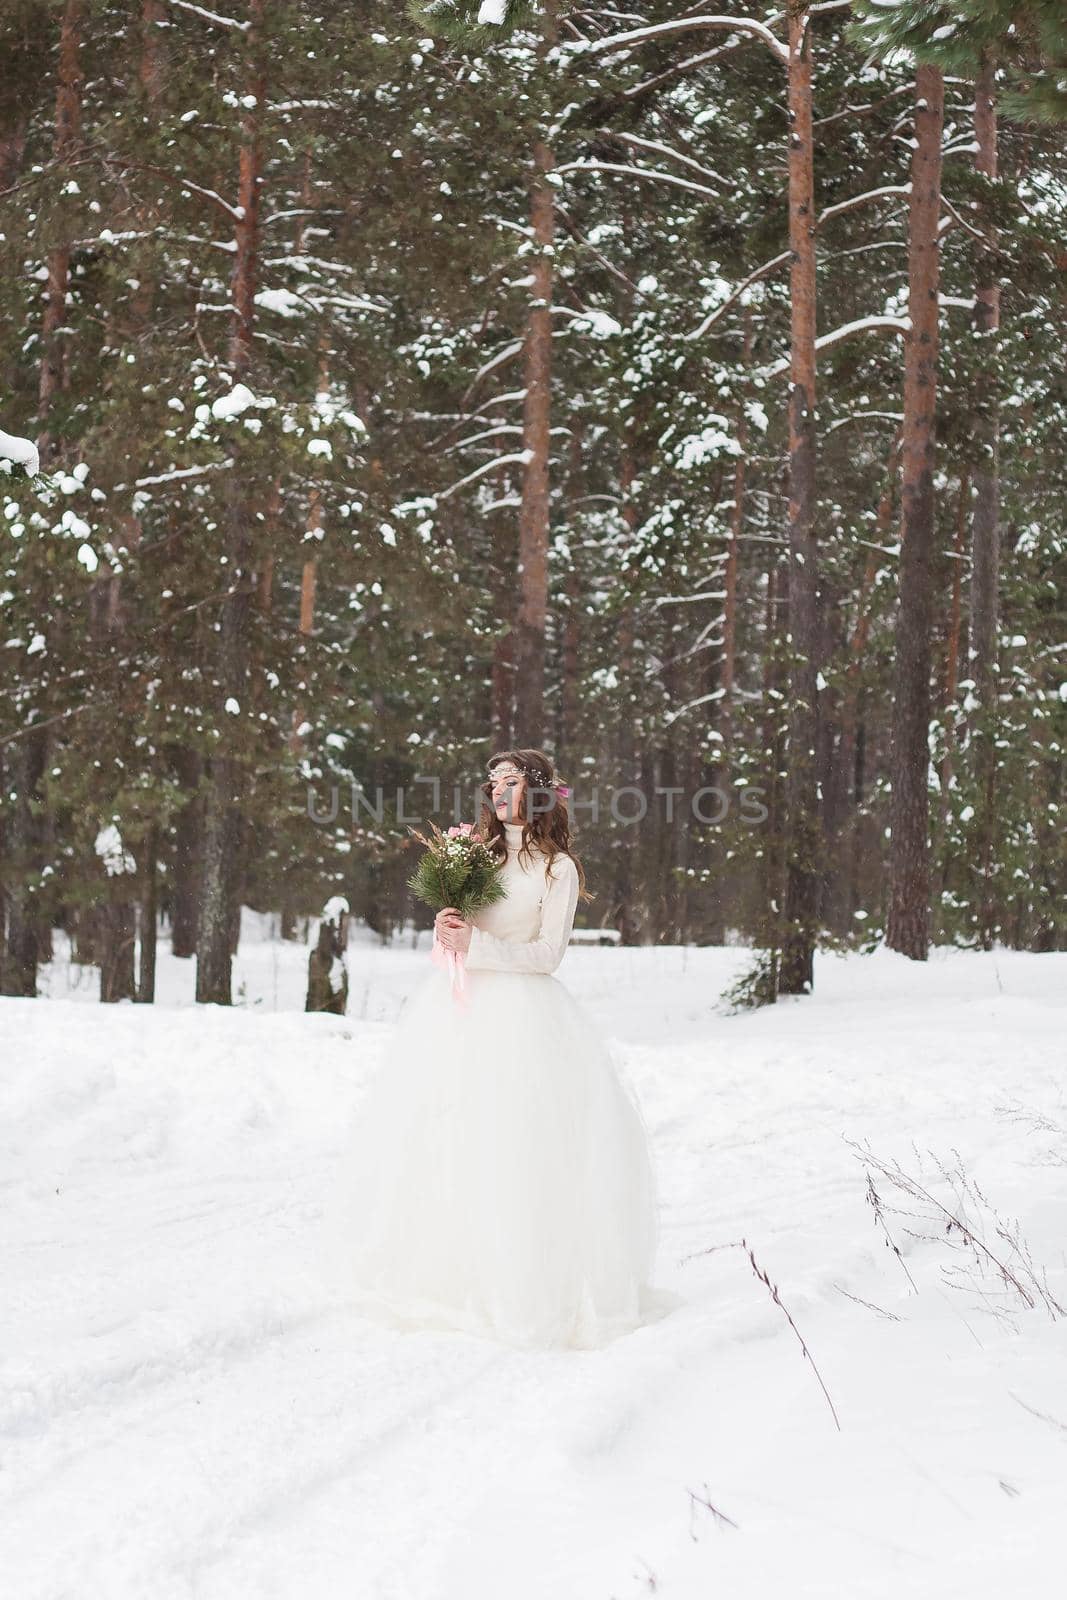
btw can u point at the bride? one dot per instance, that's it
(497, 1177)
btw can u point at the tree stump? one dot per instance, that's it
(116, 924)
(327, 971)
(115, 917)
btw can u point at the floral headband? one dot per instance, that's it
(532, 777)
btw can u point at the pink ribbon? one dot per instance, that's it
(453, 962)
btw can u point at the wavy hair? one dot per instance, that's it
(550, 830)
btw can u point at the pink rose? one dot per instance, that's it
(460, 832)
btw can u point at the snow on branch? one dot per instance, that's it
(210, 16)
(178, 475)
(664, 30)
(761, 272)
(638, 91)
(864, 416)
(847, 330)
(21, 452)
(110, 849)
(235, 213)
(654, 147)
(889, 189)
(955, 216)
(672, 716)
(689, 599)
(520, 458)
(639, 172)
(498, 360)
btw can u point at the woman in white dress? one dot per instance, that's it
(497, 1176)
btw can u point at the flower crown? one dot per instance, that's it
(536, 778)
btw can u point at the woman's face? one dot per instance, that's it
(508, 791)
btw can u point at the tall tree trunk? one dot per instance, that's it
(534, 512)
(185, 873)
(12, 149)
(845, 837)
(502, 686)
(146, 971)
(310, 570)
(860, 634)
(308, 581)
(623, 748)
(771, 892)
(67, 130)
(150, 67)
(737, 523)
(951, 678)
(796, 973)
(117, 935)
(985, 528)
(24, 765)
(571, 627)
(532, 616)
(626, 754)
(955, 612)
(222, 809)
(313, 528)
(28, 934)
(908, 922)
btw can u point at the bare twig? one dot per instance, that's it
(874, 1200)
(1042, 1416)
(776, 1297)
(721, 1519)
(772, 1288)
(732, 1244)
(1014, 1266)
(891, 1316)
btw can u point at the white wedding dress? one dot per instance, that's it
(497, 1175)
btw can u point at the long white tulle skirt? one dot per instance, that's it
(497, 1175)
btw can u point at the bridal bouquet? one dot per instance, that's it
(457, 869)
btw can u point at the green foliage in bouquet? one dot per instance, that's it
(458, 869)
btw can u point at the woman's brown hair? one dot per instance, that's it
(550, 829)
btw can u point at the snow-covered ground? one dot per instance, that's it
(185, 1412)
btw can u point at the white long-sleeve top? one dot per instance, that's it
(530, 929)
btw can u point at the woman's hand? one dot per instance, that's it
(452, 931)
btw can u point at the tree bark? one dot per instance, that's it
(623, 909)
(310, 570)
(327, 988)
(985, 529)
(28, 935)
(24, 770)
(955, 613)
(532, 618)
(12, 149)
(67, 129)
(571, 627)
(861, 629)
(534, 512)
(185, 874)
(953, 635)
(622, 912)
(773, 859)
(796, 973)
(737, 523)
(146, 971)
(502, 685)
(908, 923)
(223, 798)
(116, 949)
